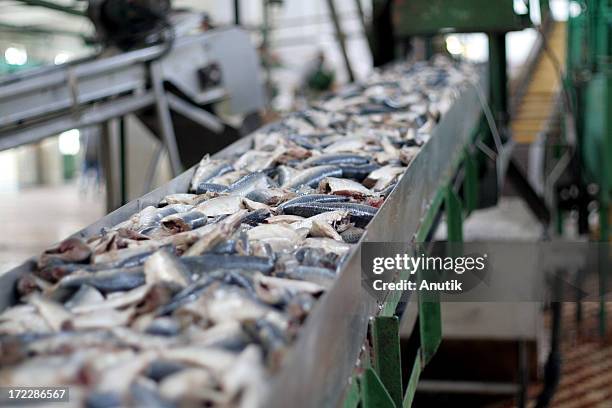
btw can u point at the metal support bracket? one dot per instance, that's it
(165, 120)
(373, 392)
(387, 356)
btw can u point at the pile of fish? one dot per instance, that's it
(196, 301)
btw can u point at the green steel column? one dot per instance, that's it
(470, 184)
(387, 358)
(373, 392)
(498, 91)
(454, 216)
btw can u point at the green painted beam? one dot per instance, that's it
(415, 374)
(387, 355)
(353, 396)
(373, 392)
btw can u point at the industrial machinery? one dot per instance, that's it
(170, 80)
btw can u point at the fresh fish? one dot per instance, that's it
(248, 183)
(323, 229)
(290, 285)
(352, 235)
(227, 335)
(255, 160)
(112, 280)
(284, 174)
(160, 369)
(222, 205)
(100, 319)
(203, 188)
(163, 326)
(228, 178)
(408, 153)
(328, 217)
(116, 300)
(327, 244)
(312, 198)
(270, 337)
(357, 171)
(210, 262)
(344, 187)
(178, 198)
(227, 247)
(269, 196)
(69, 250)
(216, 233)
(209, 169)
(312, 176)
(381, 178)
(254, 205)
(151, 216)
(54, 313)
(316, 257)
(128, 257)
(235, 306)
(321, 276)
(188, 384)
(84, 296)
(280, 237)
(247, 378)
(144, 393)
(256, 217)
(181, 222)
(30, 283)
(360, 214)
(283, 219)
(348, 144)
(335, 159)
(163, 266)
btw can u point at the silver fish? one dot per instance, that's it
(209, 169)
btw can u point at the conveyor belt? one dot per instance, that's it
(538, 101)
(316, 371)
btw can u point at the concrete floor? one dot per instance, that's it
(34, 218)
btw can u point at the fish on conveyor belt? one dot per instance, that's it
(196, 301)
(313, 198)
(357, 171)
(335, 159)
(248, 183)
(106, 281)
(312, 176)
(360, 214)
(207, 170)
(212, 262)
(344, 187)
(186, 221)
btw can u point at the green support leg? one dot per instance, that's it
(387, 358)
(415, 374)
(373, 392)
(353, 396)
(470, 183)
(454, 216)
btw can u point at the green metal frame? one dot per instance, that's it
(432, 16)
(379, 385)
